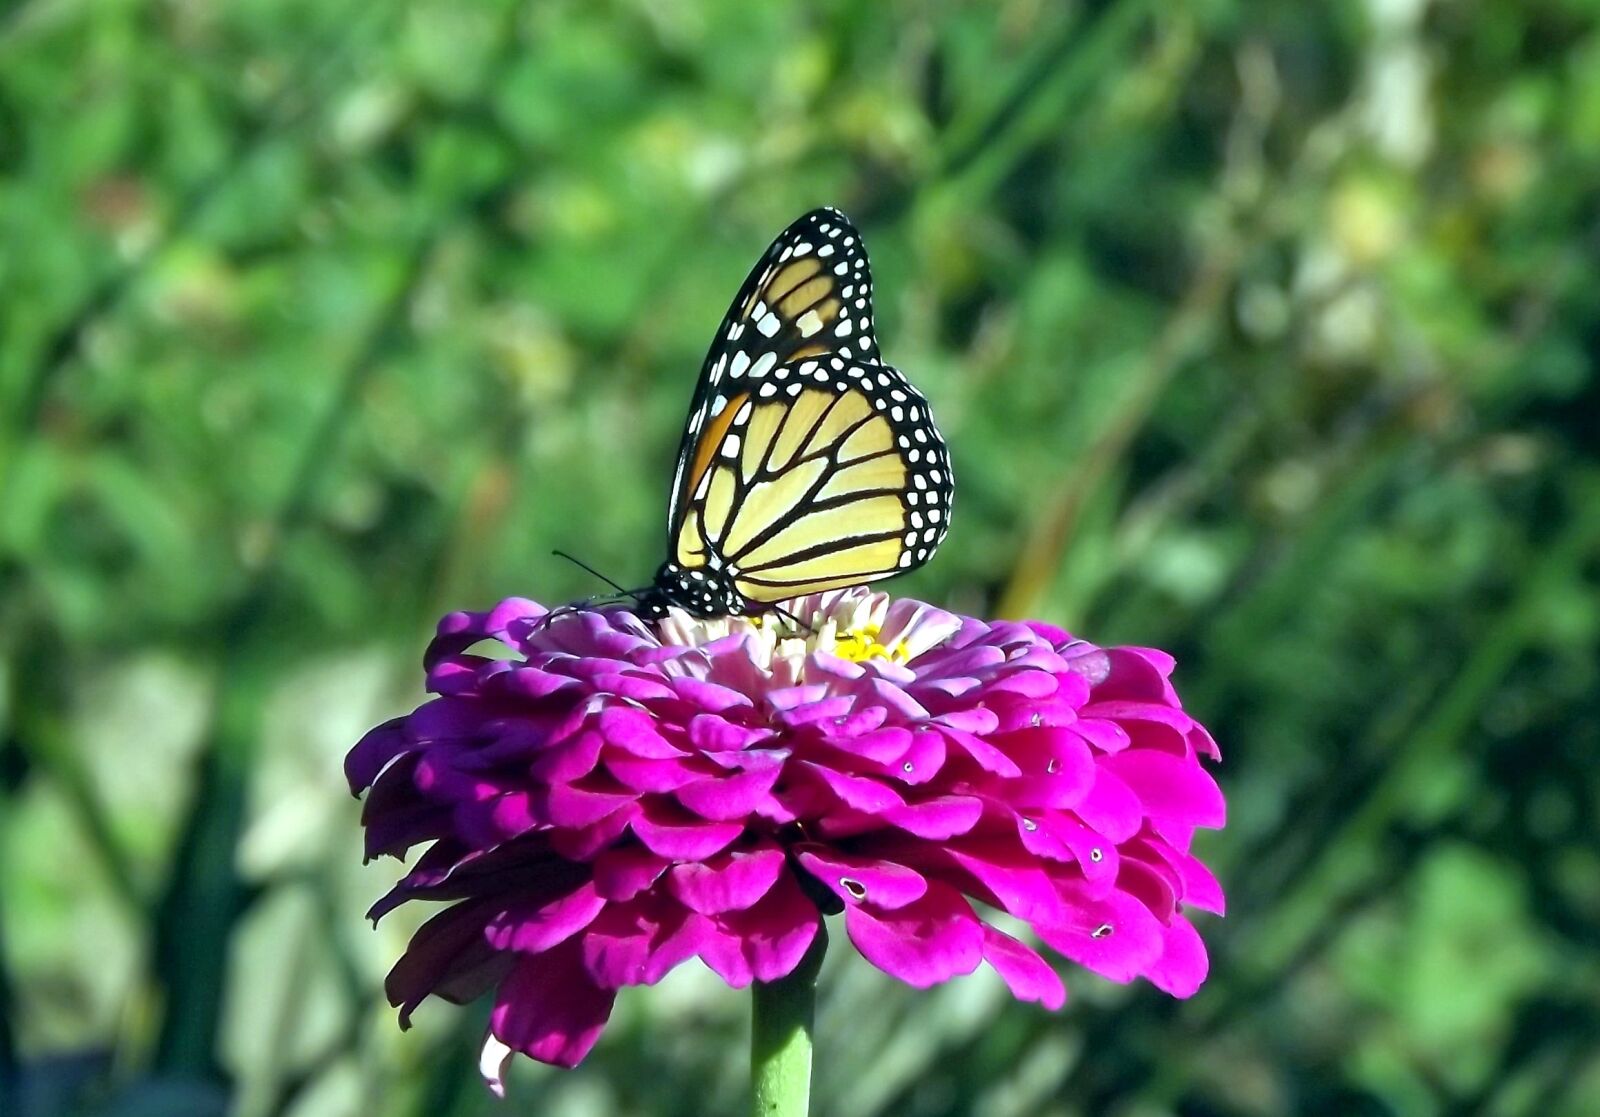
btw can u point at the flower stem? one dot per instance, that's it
(780, 1037)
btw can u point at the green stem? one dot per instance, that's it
(780, 1037)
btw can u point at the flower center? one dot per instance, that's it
(862, 643)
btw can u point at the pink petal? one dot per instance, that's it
(533, 930)
(1011, 877)
(641, 775)
(373, 752)
(937, 819)
(724, 798)
(987, 756)
(623, 873)
(859, 792)
(1107, 736)
(1115, 936)
(638, 942)
(730, 881)
(1170, 787)
(1183, 964)
(897, 700)
(571, 806)
(550, 1010)
(1056, 764)
(923, 759)
(1028, 975)
(766, 941)
(1098, 858)
(573, 759)
(673, 833)
(1111, 807)
(708, 696)
(1200, 888)
(633, 730)
(928, 941)
(972, 720)
(709, 733)
(882, 746)
(883, 884)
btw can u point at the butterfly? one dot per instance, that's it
(806, 463)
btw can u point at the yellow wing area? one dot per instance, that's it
(805, 492)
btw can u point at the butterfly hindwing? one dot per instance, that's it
(820, 477)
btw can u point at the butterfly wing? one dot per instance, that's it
(814, 475)
(808, 297)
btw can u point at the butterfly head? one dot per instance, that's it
(697, 591)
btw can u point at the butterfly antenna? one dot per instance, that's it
(585, 566)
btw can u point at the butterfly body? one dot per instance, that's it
(806, 462)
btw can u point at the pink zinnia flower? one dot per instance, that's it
(622, 798)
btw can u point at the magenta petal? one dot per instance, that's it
(1115, 936)
(883, 884)
(637, 943)
(1098, 859)
(550, 1010)
(1170, 787)
(570, 806)
(641, 775)
(573, 759)
(1107, 736)
(766, 941)
(923, 758)
(674, 833)
(1111, 807)
(1200, 888)
(937, 819)
(861, 793)
(1058, 768)
(987, 756)
(897, 700)
(585, 842)
(928, 941)
(723, 798)
(727, 882)
(882, 746)
(633, 730)
(373, 752)
(449, 941)
(1012, 877)
(621, 874)
(1028, 975)
(535, 930)
(708, 696)
(1183, 964)
(708, 733)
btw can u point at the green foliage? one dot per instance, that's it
(1262, 332)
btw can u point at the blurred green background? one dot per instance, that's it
(1262, 332)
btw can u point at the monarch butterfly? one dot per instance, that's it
(806, 462)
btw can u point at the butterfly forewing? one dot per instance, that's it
(810, 295)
